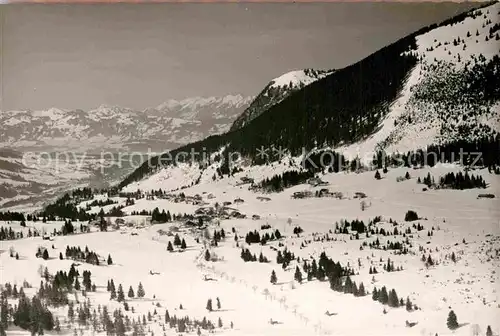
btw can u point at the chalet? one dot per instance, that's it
(359, 194)
(324, 192)
(205, 211)
(95, 222)
(204, 218)
(119, 221)
(246, 179)
(316, 181)
(301, 194)
(485, 196)
(47, 236)
(238, 201)
(191, 223)
(237, 214)
(226, 203)
(337, 194)
(255, 217)
(263, 199)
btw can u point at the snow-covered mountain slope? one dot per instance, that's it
(456, 230)
(451, 94)
(436, 86)
(115, 128)
(277, 90)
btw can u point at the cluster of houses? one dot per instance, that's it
(246, 180)
(210, 213)
(302, 194)
(206, 213)
(324, 192)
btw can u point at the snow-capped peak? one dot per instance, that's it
(278, 89)
(298, 78)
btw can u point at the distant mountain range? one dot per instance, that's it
(167, 126)
(113, 128)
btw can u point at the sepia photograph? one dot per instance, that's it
(249, 168)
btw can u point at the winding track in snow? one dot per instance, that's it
(318, 327)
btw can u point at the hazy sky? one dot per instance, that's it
(138, 56)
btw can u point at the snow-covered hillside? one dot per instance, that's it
(441, 90)
(439, 102)
(113, 128)
(278, 89)
(456, 230)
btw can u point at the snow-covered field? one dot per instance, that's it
(462, 224)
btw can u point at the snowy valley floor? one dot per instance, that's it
(459, 222)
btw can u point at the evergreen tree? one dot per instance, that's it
(207, 255)
(183, 244)
(4, 307)
(113, 293)
(383, 296)
(298, 275)
(409, 306)
(110, 261)
(120, 294)
(77, 284)
(130, 292)
(348, 285)
(218, 304)
(170, 247)
(361, 290)
(393, 299)
(279, 258)
(274, 279)
(488, 331)
(57, 324)
(209, 305)
(377, 175)
(71, 312)
(452, 322)
(177, 240)
(140, 291)
(45, 254)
